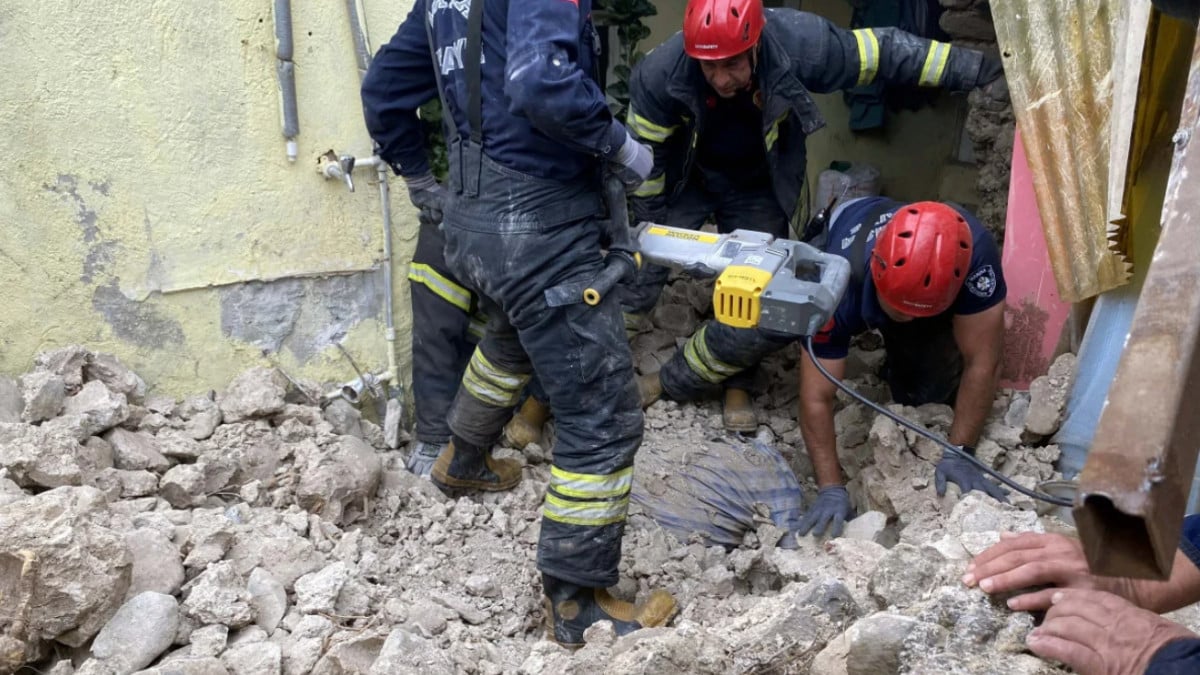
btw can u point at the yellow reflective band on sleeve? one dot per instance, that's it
(651, 187)
(868, 55)
(644, 128)
(701, 361)
(445, 289)
(935, 64)
(591, 486)
(491, 385)
(773, 133)
(592, 514)
(476, 328)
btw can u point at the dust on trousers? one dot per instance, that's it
(446, 327)
(529, 247)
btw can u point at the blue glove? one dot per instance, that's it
(831, 510)
(965, 475)
(632, 163)
(428, 196)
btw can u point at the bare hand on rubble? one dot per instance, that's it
(1096, 632)
(1030, 560)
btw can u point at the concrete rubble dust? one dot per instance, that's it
(251, 532)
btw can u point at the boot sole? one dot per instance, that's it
(741, 428)
(448, 484)
(658, 610)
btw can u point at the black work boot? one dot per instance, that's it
(571, 608)
(462, 466)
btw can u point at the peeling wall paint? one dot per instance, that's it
(147, 207)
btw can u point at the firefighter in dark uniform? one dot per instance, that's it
(446, 328)
(725, 105)
(928, 277)
(530, 133)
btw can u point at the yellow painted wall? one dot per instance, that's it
(914, 154)
(145, 172)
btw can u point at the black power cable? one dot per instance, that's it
(946, 446)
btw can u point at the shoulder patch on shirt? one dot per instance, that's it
(982, 282)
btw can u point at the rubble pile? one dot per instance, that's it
(253, 531)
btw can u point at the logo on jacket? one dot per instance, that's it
(982, 282)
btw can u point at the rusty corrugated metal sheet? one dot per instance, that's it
(1058, 57)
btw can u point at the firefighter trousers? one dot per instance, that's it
(529, 247)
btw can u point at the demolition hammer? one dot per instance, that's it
(778, 284)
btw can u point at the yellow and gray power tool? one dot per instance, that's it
(776, 284)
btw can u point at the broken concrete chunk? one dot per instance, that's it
(219, 596)
(318, 592)
(177, 445)
(250, 452)
(201, 416)
(867, 527)
(404, 652)
(286, 556)
(208, 641)
(353, 655)
(876, 643)
(261, 658)
(40, 457)
(345, 418)
(101, 408)
(9, 491)
(82, 567)
(134, 450)
(141, 630)
(12, 401)
(44, 394)
(1048, 396)
(258, 392)
(67, 363)
(157, 564)
(108, 369)
(268, 598)
(188, 666)
(137, 483)
(336, 481)
(905, 575)
(183, 486)
(393, 425)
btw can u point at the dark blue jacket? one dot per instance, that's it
(860, 311)
(543, 111)
(799, 53)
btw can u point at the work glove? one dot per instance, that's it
(428, 196)
(965, 475)
(422, 457)
(992, 79)
(831, 510)
(632, 163)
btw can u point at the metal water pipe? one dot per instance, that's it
(286, 70)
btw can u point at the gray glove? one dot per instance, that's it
(428, 196)
(965, 475)
(831, 510)
(632, 163)
(422, 457)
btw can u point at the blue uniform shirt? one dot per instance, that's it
(860, 311)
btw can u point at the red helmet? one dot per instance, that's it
(718, 29)
(922, 258)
